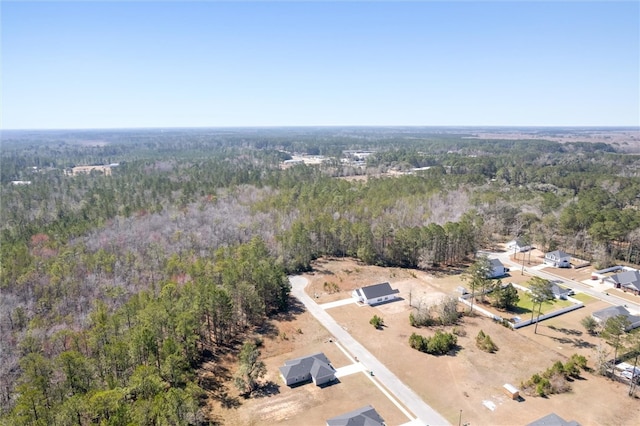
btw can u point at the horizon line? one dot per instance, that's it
(362, 126)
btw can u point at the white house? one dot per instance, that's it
(497, 269)
(374, 294)
(557, 259)
(518, 245)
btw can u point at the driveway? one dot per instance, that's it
(575, 285)
(424, 413)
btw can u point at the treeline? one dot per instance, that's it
(210, 221)
(136, 364)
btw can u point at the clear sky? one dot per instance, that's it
(125, 64)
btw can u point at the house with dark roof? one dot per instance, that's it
(365, 416)
(374, 294)
(553, 420)
(316, 368)
(557, 259)
(603, 315)
(626, 281)
(497, 269)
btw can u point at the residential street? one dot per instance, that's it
(424, 413)
(516, 268)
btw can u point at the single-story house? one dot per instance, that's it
(316, 368)
(604, 314)
(553, 420)
(626, 280)
(561, 292)
(518, 245)
(365, 416)
(497, 269)
(558, 259)
(374, 294)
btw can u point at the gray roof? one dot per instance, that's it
(553, 420)
(495, 262)
(612, 311)
(365, 416)
(316, 365)
(627, 278)
(378, 290)
(559, 291)
(557, 254)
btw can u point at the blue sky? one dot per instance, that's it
(215, 64)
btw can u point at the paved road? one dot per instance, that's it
(425, 414)
(516, 268)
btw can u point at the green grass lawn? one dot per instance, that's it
(584, 298)
(525, 306)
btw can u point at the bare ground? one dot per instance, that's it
(464, 386)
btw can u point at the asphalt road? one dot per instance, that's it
(424, 413)
(516, 268)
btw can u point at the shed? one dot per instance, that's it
(511, 391)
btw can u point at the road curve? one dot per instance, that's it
(424, 413)
(575, 285)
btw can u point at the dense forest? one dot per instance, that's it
(115, 287)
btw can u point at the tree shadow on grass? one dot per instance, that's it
(517, 310)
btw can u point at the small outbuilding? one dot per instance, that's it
(375, 294)
(511, 391)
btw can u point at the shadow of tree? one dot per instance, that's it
(226, 400)
(519, 310)
(569, 331)
(295, 308)
(267, 389)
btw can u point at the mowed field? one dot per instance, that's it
(465, 386)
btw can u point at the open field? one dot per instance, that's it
(470, 380)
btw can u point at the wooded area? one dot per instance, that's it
(114, 289)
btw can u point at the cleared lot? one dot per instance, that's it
(470, 380)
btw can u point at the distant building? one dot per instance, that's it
(518, 245)
(75, 171)
(374, 294)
